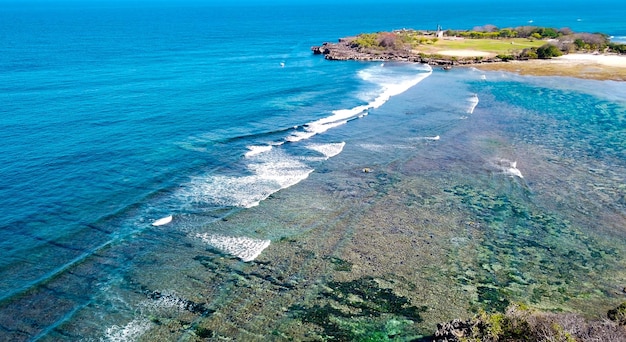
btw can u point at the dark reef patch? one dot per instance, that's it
(361, 309)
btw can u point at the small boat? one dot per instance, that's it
(447, 67)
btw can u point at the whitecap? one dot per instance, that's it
(508, 167)
(473, 102)
(244, 248)
(254, 150)
(328, 150)
(267, 173)
(375, 147)
(314, 128)
(130, 332)
(392, 82)
(162, 221)
(271, 169)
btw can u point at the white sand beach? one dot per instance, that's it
(589, 66)
(608, 60)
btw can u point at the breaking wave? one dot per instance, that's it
(244, 248)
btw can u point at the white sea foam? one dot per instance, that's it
(473, 102)
(312, 129)
(245, 248)
(385, 147)
(271, 169)
(299, 136)
(508, 167)
(342, 115)
(328, 150)
(392, 82)
(375, 147)
(268, 172)
(254, 150)
(163, 221)
(130, 332)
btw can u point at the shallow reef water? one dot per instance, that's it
(393, 235)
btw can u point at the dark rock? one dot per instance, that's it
(454, 331)
(618, 314)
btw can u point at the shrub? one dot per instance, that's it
(590, 41)
(507, 33)
(619, 48)
(547, 32)
(530, 53)
(387, 40)
(548, 51)
(506, 58)
(366, 40)
(520, 323)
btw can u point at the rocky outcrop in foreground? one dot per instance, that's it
(522, 324)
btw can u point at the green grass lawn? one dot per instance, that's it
(496, 46)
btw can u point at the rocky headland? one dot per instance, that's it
(580, 55)
(347, 49)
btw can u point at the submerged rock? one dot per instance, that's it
(618, 314)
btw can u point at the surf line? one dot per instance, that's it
(342, 116)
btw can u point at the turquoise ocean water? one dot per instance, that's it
(116, 115)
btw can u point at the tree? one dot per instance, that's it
(524, 31)
(529, 53)
(548, 32)
(548, 51)
(366, 40)
(508, 33)
(566, 31)
(579, 43)
(387, 40)
(485, 28)
(619, 48)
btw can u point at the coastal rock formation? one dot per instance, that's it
(346, 49)
(456, 330)
(520, 323)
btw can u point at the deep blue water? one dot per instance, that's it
(114, 115)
